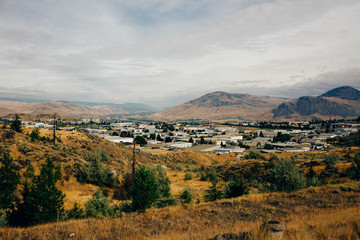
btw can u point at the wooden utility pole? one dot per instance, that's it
(134, 160)
(54, 137)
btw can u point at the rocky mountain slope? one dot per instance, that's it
(340, 102)
(222, 105)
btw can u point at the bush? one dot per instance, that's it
(165, 202)
(286, 176)
(253, 155)
(354, 170)
(3, 220)
(98, 206)
(186, 197)
(235, 188)
(163, 181)
(95, 173)
(188, 176)
(76, 212)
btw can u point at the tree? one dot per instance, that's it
(186, 197)
(214, 192)
(191, 140)
(16, 124)
(286, 176)
(235, 188)
(41, 200)
(281, 137)
(145, 190)
(35, 134)
(9, 179)
(140, 140)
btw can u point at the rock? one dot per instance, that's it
(226, 236)
(71, 235)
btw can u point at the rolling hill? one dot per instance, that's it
(222, 105)
(62, 108)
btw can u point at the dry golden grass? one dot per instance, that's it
(317, 213)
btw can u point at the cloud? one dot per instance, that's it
(167, 52)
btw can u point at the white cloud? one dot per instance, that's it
(165, 52)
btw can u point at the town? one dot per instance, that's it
(208, 136)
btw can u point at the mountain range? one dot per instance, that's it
(341, 102)
(73, 109)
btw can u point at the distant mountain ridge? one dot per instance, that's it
(221, 105)
(339, 102)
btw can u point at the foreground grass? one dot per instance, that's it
(330, 212)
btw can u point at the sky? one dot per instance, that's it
(166, 52)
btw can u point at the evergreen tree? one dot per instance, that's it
(236, 188)
(41, 200)
(16, 124)
(9, 179)
(145, 190)
(214, 192)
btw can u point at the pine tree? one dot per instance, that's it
(16, 124)
(145, 190)
(41, 200)
(9, 179)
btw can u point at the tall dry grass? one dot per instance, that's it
(317, 213)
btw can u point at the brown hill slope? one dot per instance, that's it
(221, 105)
(60, 107)
(316, 214)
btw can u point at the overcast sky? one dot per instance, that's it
(166, 52)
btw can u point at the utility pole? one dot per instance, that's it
(54, 137)
(134, 160)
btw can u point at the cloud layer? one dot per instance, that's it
(166, 52)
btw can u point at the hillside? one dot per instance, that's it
(200, 219)
(62, 108)
(313, 214)
(221, 105)
(340, 102)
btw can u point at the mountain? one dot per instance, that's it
(345, 92)
(129, 106)
(221, 105)
(62, 108)
(340, 102)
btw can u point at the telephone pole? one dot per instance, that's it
(134, 160)
(54, 134)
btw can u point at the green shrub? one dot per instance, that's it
(254, 155)
(95, 173)
(98, 206)
(286, 177)
(354, 170)
(76, 212)
(188, 176)
(165, 202)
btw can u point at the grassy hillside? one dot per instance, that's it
(330, 211)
